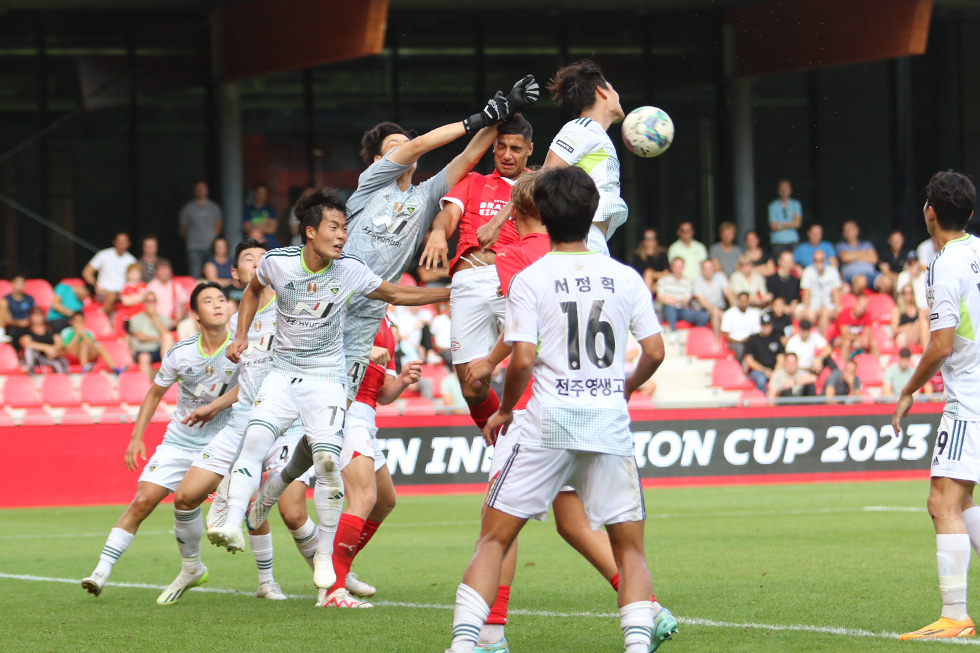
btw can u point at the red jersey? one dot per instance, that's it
(511, 260)
(847, 321)
(130, 290)
(374, 376)
(480, 197)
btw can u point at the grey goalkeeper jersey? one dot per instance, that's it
(386, 225)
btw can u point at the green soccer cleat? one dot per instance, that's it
(664, 625)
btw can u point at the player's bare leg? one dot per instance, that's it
(481, 399)
(292, 509)
(492, 636)
(148, 496)
(636, 611)
(573, 525)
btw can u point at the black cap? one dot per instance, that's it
(766, 318)
(805, 325)
(905, 352)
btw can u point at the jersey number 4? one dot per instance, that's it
(595, 327)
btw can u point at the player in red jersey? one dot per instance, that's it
(475, 310)
(570, 518)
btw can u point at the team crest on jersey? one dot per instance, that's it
(229, 372)
(334, 287)
(208, 370)
(311, 287)
(206, 454)
(257, 325)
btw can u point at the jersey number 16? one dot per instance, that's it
(595, 327)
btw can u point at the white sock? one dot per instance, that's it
(275, 486)
(328, 495)
(115, 545)
(188, 529)
(491, 633)
(636, 620)
(246, 471)
(953, 560)
(261, 546)
(306, 540)
(971, 517)
(469, 615)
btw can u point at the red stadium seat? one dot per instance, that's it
(74, 415)
(701, 343)
(682, 324)
(868, 370)
(407, 280)
(752, 397)
(388, 410)
(437, 373)
(8, 360)
(187, 283)
(641, 400)
(880, 306)
(132, 386)
(34, 416)
(20, 392)
(58, 390)
(98, 390)
(417, 405)
(40, 290)
(120, 353)
(885, 344)
(98, 323)
(74, 282)
(727, 374)
(5, 288)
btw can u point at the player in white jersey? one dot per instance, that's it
(389, 216)
(313, 285)
(953, 290)
(203, 375)
(213, 463)
(583, 91)
(568, 315)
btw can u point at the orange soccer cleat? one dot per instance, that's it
(943, 628)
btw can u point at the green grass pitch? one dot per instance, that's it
(835, 567)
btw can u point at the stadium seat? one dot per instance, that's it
(682, 324)
(32, 416)
(5, 287)
(120, 353)
(885, 344)
(752, 397)
(436, 373)
(40, 290)
(388, 410)
(58, 390)
(187, 283)
(847, 301)
(641, 400)
(727, 374)
(132, 387)
(417, 405)
(97, 390)
(701, 343)
(119, 322)
(407, 280)
(73, 415)
(20, 392)
(8, 360)
(880, 306)
(868, 370)
(74, 282)
(98, 323)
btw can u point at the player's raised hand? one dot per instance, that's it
(134, 452)
(411, 372)
(496, 426)
(495, 111)
(201, 415)
(477, 370)
(436, 251)
(380, 356)
(235, 349)
(524, 94)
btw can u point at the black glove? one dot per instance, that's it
(524, 94)
(495, 111)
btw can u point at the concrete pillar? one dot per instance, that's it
(232, 185)
(740, 126)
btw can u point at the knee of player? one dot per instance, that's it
(184, 501)
(141, 506)
(293, 513)
(384, 505)
(325, 462)
(475, 395)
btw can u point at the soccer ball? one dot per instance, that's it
(648, 131)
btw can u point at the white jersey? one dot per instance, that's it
(311, 310)
(577, 309)
(254, 364)
(954, 301)
(201, 379)
(584, 144)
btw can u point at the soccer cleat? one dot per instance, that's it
(323, 573)
(228, 536)
(270, 590)
(664, 626)
(219, 505)
(259, 509)
(499, 647)
(321, 598)
(94, 583)
(341, 598)
(181, 584)
(358, 587)
(943, 628)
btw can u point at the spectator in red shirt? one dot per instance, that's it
(133, 292)
(855, 330)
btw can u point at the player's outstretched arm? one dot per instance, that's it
(204, 414)
(937, 351)
(463, 162)
(437, 246)
(246, 312)
(651, 356)
(136, 447)
(405, 295)
(394, 386)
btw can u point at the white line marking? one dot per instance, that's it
(51, 536)
(687, 621)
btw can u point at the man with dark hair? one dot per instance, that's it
(199, 224)
(260, 220)
(476, 312)
(149, 256)
(763, 353)
(582, 439)
(204, 375)
(954, 319)
(107, 271)
(15, 310)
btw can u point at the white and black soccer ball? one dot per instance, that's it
(648, 131)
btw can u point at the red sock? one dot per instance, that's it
(614, 581)
(344, 546)
(481, 414)
(498, 612)
(370, 528)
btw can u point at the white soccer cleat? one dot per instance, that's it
(181, 584)
(321, 598)
(94, 583)
(358, 587)
(341, 598)
(323, 573)
(219, 505)
(228, 536)
(270, 590)
(258, 510)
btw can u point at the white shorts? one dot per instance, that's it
(218, 456)
(319, 404)
(505, 444)
(597, 240)
(608, 485)
(476, 313)
(167, 466)
(957, 450)
(359, 334)
(361, 436)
